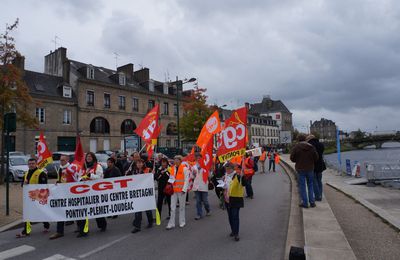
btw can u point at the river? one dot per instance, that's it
(390, 153)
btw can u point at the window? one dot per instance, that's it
(90, 72)
(151, 85)
(135, 104)
(152, 103)
(175, 109)
(99, 125)
(90, 98)
(107, 100)
(41, 115)
(122, 102)
(127, 127)
(67, 117)
(121, 79)
(176, 143)
(172, 129)
(165, 110)
(168, 143)
(67, 92)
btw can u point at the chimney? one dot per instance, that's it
(127, 70)
(54, 62)
(142, 77)
(19, 62)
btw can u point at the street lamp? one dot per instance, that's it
(179, 86)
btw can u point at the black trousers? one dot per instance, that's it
(160, 201)
(46, 225)
(101, 223)
(271, 165)
(137, 222)
(60, 227)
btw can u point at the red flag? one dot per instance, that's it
(211, 127)
(189, 157)
(207, 155)
(148, 126)
(232, 141)
(79, 158)
(153, 142)
(44, 154)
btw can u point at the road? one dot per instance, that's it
(263, 231)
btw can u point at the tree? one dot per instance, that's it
(14, 94)
(359, 134)
(196, 113)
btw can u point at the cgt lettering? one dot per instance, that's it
(100, 186)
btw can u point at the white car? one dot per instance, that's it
(18, 167)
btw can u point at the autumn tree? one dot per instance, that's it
(14, 94)
(196, 113)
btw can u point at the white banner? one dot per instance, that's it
(90, 199)
(255, 152)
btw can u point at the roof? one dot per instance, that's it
(251, 118)
(268, 105)
(323, 122)
(42, 84)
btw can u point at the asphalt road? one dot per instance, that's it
(263, 230)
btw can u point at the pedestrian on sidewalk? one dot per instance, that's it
(234, 184)
(66, 174)
(33, 176)
(137, 222)
(262, 159)
(179, 177)
(162, 176)
(271, 158)
(200, 187)
(92, 170)
(249, 172)
(305, 156)
(319, 166)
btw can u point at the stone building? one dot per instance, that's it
(324, 128)
(102, 105)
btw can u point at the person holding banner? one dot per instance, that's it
(249, 172)
(200, 187)
(137, 222)
(179, 177)
(91, 171)
(33, 176)
(233, 185)
(162, 176)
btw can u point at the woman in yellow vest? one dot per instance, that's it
(33, 176)
(234, 184)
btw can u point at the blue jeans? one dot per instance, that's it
(233, 215)
(306, 177)
(318, 185)
(202, 198)
(249, 187)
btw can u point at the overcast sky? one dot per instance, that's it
(337, 59)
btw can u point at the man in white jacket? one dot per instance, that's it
(200, 187)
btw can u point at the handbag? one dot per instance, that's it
(168, 189)
(210, 185)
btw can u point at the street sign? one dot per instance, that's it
(348, 166)
(286, 137)
(132, 142)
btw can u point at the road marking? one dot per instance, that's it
(103, 247)
(58, 257)
(16, 251)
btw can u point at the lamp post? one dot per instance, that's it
(179, 86)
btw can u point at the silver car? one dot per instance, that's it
(18, 167)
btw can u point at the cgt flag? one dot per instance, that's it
(207, 155)
(153, 142)
(211, 127)
(148, 127)
(44, 154)
(232, 140)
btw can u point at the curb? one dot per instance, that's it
(13, 225)
(389, 219)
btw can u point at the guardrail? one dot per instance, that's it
(382, 171)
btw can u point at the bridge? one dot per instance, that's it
(375, 140)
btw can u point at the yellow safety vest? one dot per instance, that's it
(34, 178)
(236, 189)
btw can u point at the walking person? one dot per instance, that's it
(34, 175)
(271, 158)
(179, 177)
(200, 187)
(218, 174)
(137, 222)
(305, 156)
(65, 175)
(91, 171)
(162, 176)
(112, 171)
(319, 166)
(262, 159)
(248, 173)
(234, 184)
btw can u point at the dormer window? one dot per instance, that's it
(151, 85)
(67, 92)
(121, 79)
(90, 72)
(165, 88)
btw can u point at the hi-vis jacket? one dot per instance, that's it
(180, 178)
(34, 178)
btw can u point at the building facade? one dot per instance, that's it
(103, 106)
(263, 131)
(324, 128)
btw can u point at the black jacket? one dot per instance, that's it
(122, 165)
(112, 172)
(162, 177)
(42, 177)
(319, 165)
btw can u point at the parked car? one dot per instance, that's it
(16, 153)
(18, 167)
(102, 159)
(107, 152)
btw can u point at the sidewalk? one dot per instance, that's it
(385, 202)
(15, 204)
(324, 238)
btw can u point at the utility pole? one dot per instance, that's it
(178, 87)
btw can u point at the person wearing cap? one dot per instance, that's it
(234, 183)
(319, 166)
(200, 187)
(179, 178)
